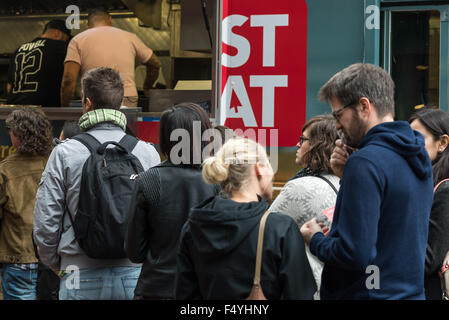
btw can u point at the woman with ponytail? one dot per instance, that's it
(433, 124)
(217, 256)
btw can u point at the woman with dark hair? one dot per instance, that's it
(433, 124)
(312, 192)
(163, 197)
(223, 133)
(20, 173)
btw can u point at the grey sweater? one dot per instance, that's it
(303, 199)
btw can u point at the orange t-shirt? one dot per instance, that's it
(109, 47)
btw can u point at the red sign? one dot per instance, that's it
(263, 68)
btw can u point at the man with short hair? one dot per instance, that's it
(59, 193)
(103, 45)
(35, 70)
(377, 243)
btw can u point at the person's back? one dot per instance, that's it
(169, 192)
(217, 255)
(220, 238)
(61, 186)
(107, 46)
(36, 68)
(163, 198)
(20, 173)
(103, 45)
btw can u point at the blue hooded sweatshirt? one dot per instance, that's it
(377, 244)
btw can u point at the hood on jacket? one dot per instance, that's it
(399, 137)
(219, 225)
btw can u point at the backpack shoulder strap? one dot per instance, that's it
(128, 142)
(88, 140)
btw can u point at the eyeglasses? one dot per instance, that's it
(336, 113)
(302, 139)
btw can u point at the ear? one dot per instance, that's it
(88, 104)
(258, 170)
(365, 106)
(59, 35)
(262, 170)
(443, 143)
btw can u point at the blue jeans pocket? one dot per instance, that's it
(86, 289)
(129, 284)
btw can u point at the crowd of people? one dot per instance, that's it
(365, 217)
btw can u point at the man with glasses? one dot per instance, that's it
(377, 243)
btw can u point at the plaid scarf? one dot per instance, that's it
(94, 117)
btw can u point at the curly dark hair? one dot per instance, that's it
(323, 134)
(32, 127)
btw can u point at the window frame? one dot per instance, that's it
(444, 40)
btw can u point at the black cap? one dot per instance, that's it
(58, 25)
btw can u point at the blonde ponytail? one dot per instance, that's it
(231, 165)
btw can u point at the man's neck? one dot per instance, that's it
(387, 118)
(100, 24)
(48, 36)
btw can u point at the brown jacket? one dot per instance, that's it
(19, 179)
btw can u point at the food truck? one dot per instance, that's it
(255, 66)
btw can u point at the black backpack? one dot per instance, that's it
(106, 189)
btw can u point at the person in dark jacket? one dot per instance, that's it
(433, 124)
(377, 244)
(163, 197)
(217, 255)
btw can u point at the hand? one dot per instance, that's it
(311, 227)
(324, 229)
(338, 158)
(146, 92)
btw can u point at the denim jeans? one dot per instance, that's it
(19, 281)
(116, 283)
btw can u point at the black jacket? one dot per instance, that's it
(438, 241)
(218, 253)
(162, 200)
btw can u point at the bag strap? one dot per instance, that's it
(89, 141)
(438, 184)
(259, 248)
(328, 182)
(128, 142)
(443, 277)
